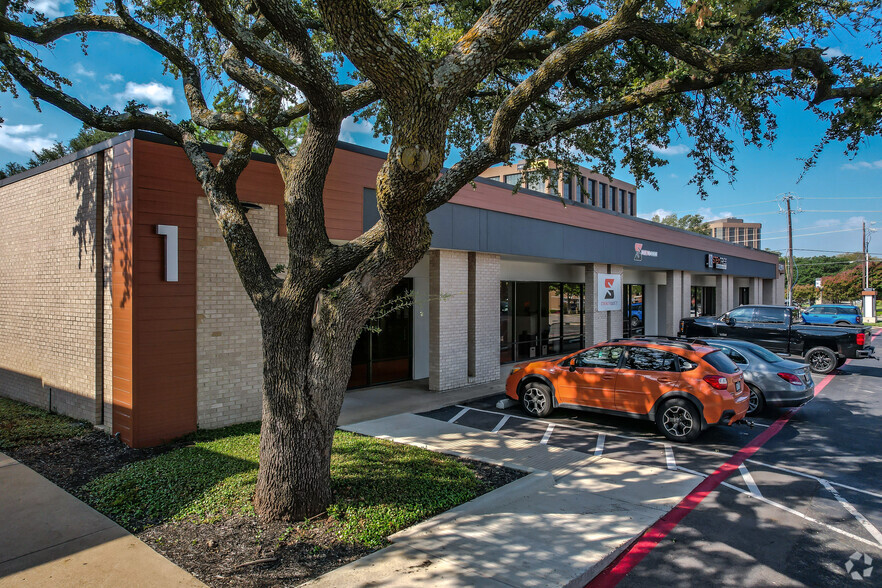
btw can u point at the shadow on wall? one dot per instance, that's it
(93, 177)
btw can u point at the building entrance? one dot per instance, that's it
(632, 310)
(384, 352)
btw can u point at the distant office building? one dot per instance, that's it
(735, 230)
(587, 187)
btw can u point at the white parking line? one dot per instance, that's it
(547, 435)
(782, 507)
(748, 479)
(500, 424)
(694, 450)
(601, 439)
(459, 414)
(847, 506)
(800, 515)
(669, 457)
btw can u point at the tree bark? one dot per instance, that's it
(299, 417)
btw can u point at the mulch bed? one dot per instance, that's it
(237, 551)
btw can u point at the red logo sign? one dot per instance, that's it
(608, 283)
(638, 246)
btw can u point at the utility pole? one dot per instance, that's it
(787, 198)
(866, 257)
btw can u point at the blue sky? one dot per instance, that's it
(835, 196)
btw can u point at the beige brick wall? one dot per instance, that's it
(229, 368)
(49, 269)
(448, 319)
(484, 326)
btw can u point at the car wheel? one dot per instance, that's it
(536, 399)
(678, 420)
(635, 322)
(757, 402)
(821, 360)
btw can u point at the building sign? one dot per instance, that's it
(715, 261)
(170, 232)
(609, 292)
(817, 282)
(640, 252)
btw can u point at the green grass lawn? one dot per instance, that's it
(21, 424)
(379, 487)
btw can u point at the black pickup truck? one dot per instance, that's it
(780, 329)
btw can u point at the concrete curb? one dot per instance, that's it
(497, 498)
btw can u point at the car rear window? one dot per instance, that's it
(720, 362)
(763, 353)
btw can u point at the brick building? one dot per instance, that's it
(93, 323)
(735, 230)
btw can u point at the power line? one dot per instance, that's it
(809, 234)
(829, 251)
(840, 197)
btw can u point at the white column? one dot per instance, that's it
(673, 302)
(615, 318)
(483, 314)
(448, 319)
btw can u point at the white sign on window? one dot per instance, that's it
(609, 292)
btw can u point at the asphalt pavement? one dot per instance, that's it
(804, 510)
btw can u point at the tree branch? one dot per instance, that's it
(554, 68)
(386, 59)
(478, 51)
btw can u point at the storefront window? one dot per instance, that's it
(540, 318)
(703, 301)
(632, 314)
(571, 305)
(506, 323)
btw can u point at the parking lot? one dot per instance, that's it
(797, 511)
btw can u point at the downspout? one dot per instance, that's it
(98, 248)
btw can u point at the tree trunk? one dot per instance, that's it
(300, 414)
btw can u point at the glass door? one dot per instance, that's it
(632, 312)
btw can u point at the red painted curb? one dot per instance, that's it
(634, 554)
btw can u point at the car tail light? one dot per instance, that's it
(718, 382)
(860, 338)
(792, 378)
(858, 320)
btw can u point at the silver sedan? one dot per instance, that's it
(773, 380)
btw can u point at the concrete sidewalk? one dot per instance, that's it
(559, 526)
(367, 404)
(49, 538)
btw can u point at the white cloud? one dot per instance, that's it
(114, 77)
(24, 138)
(670, 150)
(152, 93)
(710, 215)
(51, 8)
(833, 52)
(661, 212)
(79, 70)
(350, 127)
(859, 165)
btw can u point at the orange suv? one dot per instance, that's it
(683, 386)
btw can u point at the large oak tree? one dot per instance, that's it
(569, 79)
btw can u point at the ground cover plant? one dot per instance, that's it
(191, 500)
(379, 487)
(21, 424)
